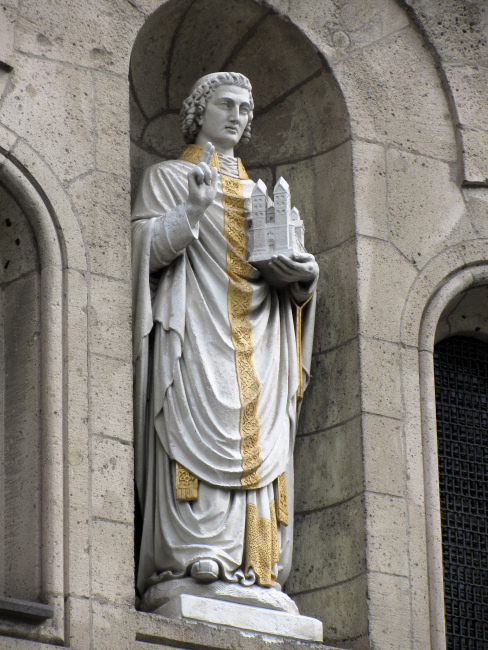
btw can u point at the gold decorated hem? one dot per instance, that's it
(261, 551)
(281, 499)
(186, 485)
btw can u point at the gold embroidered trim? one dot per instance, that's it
(185, 483)
(281, 499)
(298, 342)
(193, 153)
(261, 551)
(239, 298)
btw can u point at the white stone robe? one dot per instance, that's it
(215, 383)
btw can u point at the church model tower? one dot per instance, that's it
(276, 227)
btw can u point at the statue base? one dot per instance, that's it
(254, 596)
(270, 623)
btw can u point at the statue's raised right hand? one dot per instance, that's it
(202, 186)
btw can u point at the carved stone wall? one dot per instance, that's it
(375, 112)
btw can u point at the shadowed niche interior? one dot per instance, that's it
(20, 444)
(300, 129)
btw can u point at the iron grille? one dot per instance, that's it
(461, 386)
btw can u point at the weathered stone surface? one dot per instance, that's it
(163, 138)
(370, 189)
(336, 320)
(139, 160)
(426, 210)
(321, 189)
(467, 84)
(8, 17)
(151, 56)
(278, 74)
(112, 466)
(337, 28)
(328, 546)
(153, 629)
(456, 28)
(110, 317)
(103, 204)
(389, 610)
(244, 617)
(51, 105)
(310, 121)
(328, 466)
(215, 40)
(386, 534)
(382, 106)
(382, 270)
(333, 393)
(383, 455)
(380, 373)
(342, 608)
(78, 613)
(475, 148)
(111, 401)
(477, 204)
(112, 571)
(25, 610)
(114, 626)
(112, 128)
(93, 34)
(77, 453)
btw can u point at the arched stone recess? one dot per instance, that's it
(300, 131)
(39, 238)
(449, 298)
(352, 111)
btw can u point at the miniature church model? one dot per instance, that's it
(276, 227)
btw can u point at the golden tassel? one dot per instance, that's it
(186, 484)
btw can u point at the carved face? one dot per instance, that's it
(225, 118)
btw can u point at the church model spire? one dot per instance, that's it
(276, 227)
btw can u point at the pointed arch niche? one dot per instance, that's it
(301, 131)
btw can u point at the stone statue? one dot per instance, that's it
(221, 360)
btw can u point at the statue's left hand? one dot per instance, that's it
(302, 267)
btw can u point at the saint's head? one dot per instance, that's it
(219, 110)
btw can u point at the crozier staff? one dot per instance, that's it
(215, 354)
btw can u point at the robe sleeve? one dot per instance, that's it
(171, 234)
(301, 292)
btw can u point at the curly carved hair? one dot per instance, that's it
(194, 105)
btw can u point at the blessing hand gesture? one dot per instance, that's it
(202, 186)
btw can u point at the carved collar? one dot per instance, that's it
(193, 152)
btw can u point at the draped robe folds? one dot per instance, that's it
(215, 383)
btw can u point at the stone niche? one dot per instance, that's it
(20, 398)
(300, 131)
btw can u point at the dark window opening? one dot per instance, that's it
(461, 385)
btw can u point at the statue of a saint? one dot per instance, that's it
(221, 358)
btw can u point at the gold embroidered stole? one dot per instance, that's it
(239, 300)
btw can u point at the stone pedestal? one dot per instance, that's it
(243, 617)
